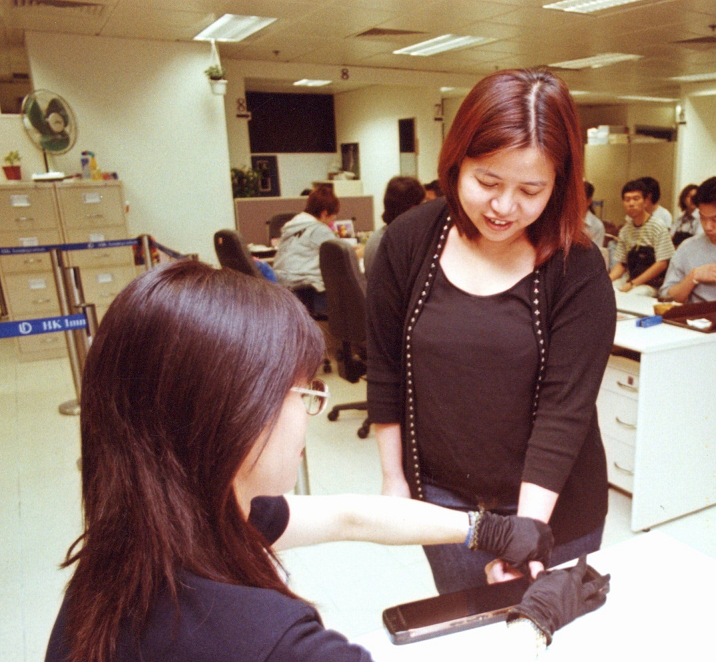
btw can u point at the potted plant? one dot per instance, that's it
(245, 182)
(216, 74)
(12, 169)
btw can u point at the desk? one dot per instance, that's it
(658, 420)
(635, 303)
(660, 607)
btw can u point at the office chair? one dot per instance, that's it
(274, 224)
(345, 295)
(233, 253)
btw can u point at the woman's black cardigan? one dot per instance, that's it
(575, 299)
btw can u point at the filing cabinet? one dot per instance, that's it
(55, 213)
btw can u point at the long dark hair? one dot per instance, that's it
(189, 366)
(516, 109)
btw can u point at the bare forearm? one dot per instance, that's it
(617, 271)
(682, 291)
(368, 518)
(536, 502)
(390, 448)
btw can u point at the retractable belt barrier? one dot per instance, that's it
(78, 320)
(35, 327)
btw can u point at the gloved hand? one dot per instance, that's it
(515, 539)
(558, 597)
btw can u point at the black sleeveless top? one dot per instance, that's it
(475, 362)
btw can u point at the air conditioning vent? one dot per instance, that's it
(385, 32)
(67, 6)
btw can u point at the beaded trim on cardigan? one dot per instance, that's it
(413, 457)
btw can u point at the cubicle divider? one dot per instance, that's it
(77, 319)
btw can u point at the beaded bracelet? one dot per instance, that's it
(472, 541)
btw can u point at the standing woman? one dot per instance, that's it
(195, 400)
(490, 322)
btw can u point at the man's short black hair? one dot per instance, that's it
(652, 188)
(635, 185)
(706, 193)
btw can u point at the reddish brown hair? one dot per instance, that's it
(517, 109)
(321, 199)
(189, 367)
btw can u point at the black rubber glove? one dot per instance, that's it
(515, 539)
(558, 597)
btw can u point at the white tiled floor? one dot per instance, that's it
(351, 583)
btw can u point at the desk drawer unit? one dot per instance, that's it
(99, 257)
(27, 208)
(102, 285)
(91, 206)
(620, 463)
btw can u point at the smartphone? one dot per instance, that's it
(453, 612)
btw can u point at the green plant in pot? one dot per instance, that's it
(12, 169)
(245, 182)
(217, 78)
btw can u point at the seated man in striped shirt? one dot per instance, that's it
(644, 247)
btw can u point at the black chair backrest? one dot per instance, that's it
(233, 252)
(275, 223)
(345, 291)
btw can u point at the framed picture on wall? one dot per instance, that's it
(350, 158)
(269, 185)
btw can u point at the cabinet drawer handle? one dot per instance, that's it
(628, 472)
(629, 426)
(41, 301)
(94, 215)
(107, 295)
(104, 255)
(31, 260)
(50, 340)
(23, 219)
(627, 387)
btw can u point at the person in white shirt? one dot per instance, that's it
(687, 225)
(595, 227)
(691, 277)
(657, 212)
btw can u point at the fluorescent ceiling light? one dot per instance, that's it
(629, 97)
(307, 82)
(447, 89)
(695, 78)
(446, 42)
(596, 61)
(232, 27)
(586, 6)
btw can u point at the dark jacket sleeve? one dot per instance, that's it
(581, 335)
(307, 641)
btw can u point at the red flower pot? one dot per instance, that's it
(12, 172)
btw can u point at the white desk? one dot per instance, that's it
(657, 414)
(660, 607)
(633, 303)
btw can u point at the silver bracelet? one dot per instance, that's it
(524, 625)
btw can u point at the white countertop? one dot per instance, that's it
(657, 338)
(661, 606)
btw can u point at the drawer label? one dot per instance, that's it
(27, 242)
(93, 198)
(37, 283)
(96, 238)
(18, 200)
(105, 278)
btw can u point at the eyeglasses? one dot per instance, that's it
(314, 398)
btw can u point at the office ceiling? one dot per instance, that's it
(329, 32)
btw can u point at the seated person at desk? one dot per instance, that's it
(653, 195)
(594, 226)
(296, 263)
(687, 225)
(401, 194)
(187, 451)
(691, 277)
(644, 246)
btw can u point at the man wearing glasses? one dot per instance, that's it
(691, 277)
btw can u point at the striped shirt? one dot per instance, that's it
(652, 233)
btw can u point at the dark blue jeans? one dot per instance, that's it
(455, 567)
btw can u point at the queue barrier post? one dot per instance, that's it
(146, 243)
(71, 407)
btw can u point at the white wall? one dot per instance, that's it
(146, 109)
(697, 141)
(369, 117)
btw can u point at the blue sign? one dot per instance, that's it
(113, 243)
(42, 325)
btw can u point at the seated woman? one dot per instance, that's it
(296, 263)
(195, 400)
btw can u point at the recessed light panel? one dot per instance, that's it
(586, 6)
(695, 78)
(446, 42)
(232, 27)
(638, 98)
(596, 61)
(308, 82)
